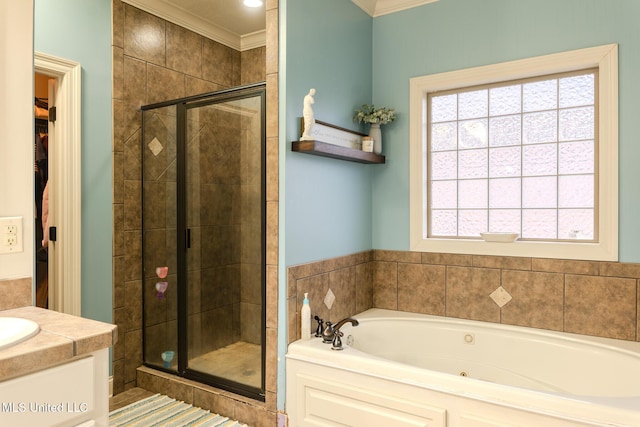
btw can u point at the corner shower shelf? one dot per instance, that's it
(323, 149)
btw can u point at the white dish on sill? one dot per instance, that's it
(499, 237)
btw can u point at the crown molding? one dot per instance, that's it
(368, 6)
(198, 25)
(377, 8)
(253, 40)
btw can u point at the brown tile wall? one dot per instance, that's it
(271, 67)
(350, 278)
(253, 65)
(16, 293)
(584, 297)
(250, 297)
(178, 63)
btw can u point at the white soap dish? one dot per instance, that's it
(499, 237)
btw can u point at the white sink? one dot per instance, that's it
(15, 329)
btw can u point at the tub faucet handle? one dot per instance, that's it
(319, 328)
(327, 333)
(337, 341)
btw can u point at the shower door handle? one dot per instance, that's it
(187, 238)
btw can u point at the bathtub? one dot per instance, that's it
(405, 369)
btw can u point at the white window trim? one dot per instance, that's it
(605, 58)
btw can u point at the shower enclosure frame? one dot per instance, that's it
(183, 236)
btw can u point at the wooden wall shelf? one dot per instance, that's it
(323, 149)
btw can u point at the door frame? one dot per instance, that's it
(65, 209)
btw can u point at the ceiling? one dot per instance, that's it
(226, 21)
(231, 15)
(240, 27)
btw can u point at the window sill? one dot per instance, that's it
(560, 250)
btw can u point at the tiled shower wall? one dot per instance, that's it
(224, 217)
(583, 297)
(181, 64)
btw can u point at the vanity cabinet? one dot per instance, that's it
(71, 394)
(58, 377)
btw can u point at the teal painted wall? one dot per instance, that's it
(456, 34)
(325, 204)
(327, 201)
(80, 30)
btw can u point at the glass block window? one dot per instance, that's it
(517, 156)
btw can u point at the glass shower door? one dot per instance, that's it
(159, 245)
(225, 217)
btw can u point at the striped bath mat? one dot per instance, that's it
(162, 411)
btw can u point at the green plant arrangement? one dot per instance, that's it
(371, 114)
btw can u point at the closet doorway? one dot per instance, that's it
(44, 88)
(63, 258)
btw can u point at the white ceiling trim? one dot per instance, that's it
(198, 25)
(368, 6)
(253, 40)
(377, 8)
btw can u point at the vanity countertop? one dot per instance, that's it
(61, 338)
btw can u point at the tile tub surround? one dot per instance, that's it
(350, 278)
(583, 297)
(61, 338)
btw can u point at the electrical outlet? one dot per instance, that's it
(11, 235)
(11, 240)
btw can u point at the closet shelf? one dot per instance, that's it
(323, 149)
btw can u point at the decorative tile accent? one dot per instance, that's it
(500, 296)
(342, 282)
(155, 146)
(329, 299)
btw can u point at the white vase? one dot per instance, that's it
(376, 134)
